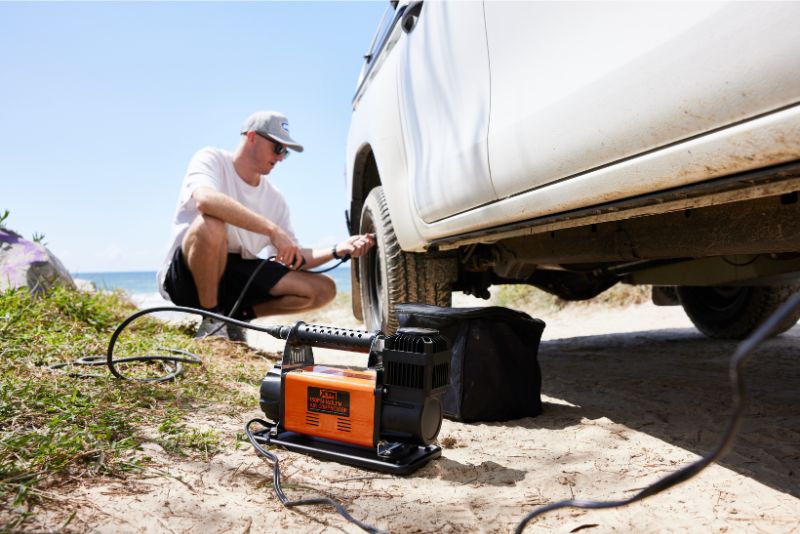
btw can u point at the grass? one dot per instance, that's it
(55, 428)
(529, 298)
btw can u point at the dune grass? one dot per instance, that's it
(531, 299)
(55, 429)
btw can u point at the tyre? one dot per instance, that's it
(734, 312)
(389, 276)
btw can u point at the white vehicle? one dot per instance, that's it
(572, 146)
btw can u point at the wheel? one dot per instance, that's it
(735, 312)
(389, 276)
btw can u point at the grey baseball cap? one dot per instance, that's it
(272, 124)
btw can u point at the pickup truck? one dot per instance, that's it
(573, 146)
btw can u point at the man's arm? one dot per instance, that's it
(355, 246)
(221, 206)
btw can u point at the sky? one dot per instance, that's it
(104, 104)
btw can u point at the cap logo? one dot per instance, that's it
(285, 126)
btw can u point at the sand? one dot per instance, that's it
(629, 396)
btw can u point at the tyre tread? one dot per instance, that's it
(410, 277)
(762, 301)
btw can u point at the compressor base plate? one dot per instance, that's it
(404, 459)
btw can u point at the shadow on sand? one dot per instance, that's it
(674, 385)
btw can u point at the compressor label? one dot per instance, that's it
(331, 401)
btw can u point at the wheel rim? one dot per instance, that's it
(373, 280)
(375, 287)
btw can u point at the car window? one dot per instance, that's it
(379, 41)
(380, 34)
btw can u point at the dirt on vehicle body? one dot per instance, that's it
(633, 145)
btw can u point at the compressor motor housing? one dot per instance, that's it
(384, 417)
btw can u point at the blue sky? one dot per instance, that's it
(103, 105)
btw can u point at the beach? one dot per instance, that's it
(629, 395)
(141, 286)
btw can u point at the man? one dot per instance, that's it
(227, 213)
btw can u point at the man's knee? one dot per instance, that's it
(306, 291)
(318, 289)
(207, 231)
(326, 290)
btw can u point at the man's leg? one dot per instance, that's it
(205, 248)
(296, 292)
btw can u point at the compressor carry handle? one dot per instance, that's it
(328, 337)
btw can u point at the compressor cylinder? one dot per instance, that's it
(416, 372)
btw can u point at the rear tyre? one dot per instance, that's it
(389, 276)
(734, 312)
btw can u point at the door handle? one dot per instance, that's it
(410, 16)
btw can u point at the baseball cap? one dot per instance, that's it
(272, 124)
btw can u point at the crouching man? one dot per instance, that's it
(227, 213)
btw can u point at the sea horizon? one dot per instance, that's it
(142, 286)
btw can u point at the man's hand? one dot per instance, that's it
(356, 245)
(225, 208)
(288, 252)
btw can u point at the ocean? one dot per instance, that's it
(143, 290)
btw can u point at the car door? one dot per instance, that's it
(578, 87)
(444, 102)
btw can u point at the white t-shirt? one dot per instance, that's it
(213, 167)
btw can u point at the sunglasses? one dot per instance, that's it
(278, 148)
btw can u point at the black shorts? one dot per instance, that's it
(179, 283)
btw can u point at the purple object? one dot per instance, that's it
(24, 263)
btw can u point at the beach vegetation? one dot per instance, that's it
(39, 238)
(532, 299)
(56, 428)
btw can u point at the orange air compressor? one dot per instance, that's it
(385, 417)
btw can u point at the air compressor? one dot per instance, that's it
(384, 417)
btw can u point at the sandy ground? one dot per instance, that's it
(629, 396)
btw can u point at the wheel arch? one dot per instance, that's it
(365, 178)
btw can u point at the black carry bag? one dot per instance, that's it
(494, 372)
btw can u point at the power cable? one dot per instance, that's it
(740, 357)
(190, 358)
(276, 482)
(173, 365)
